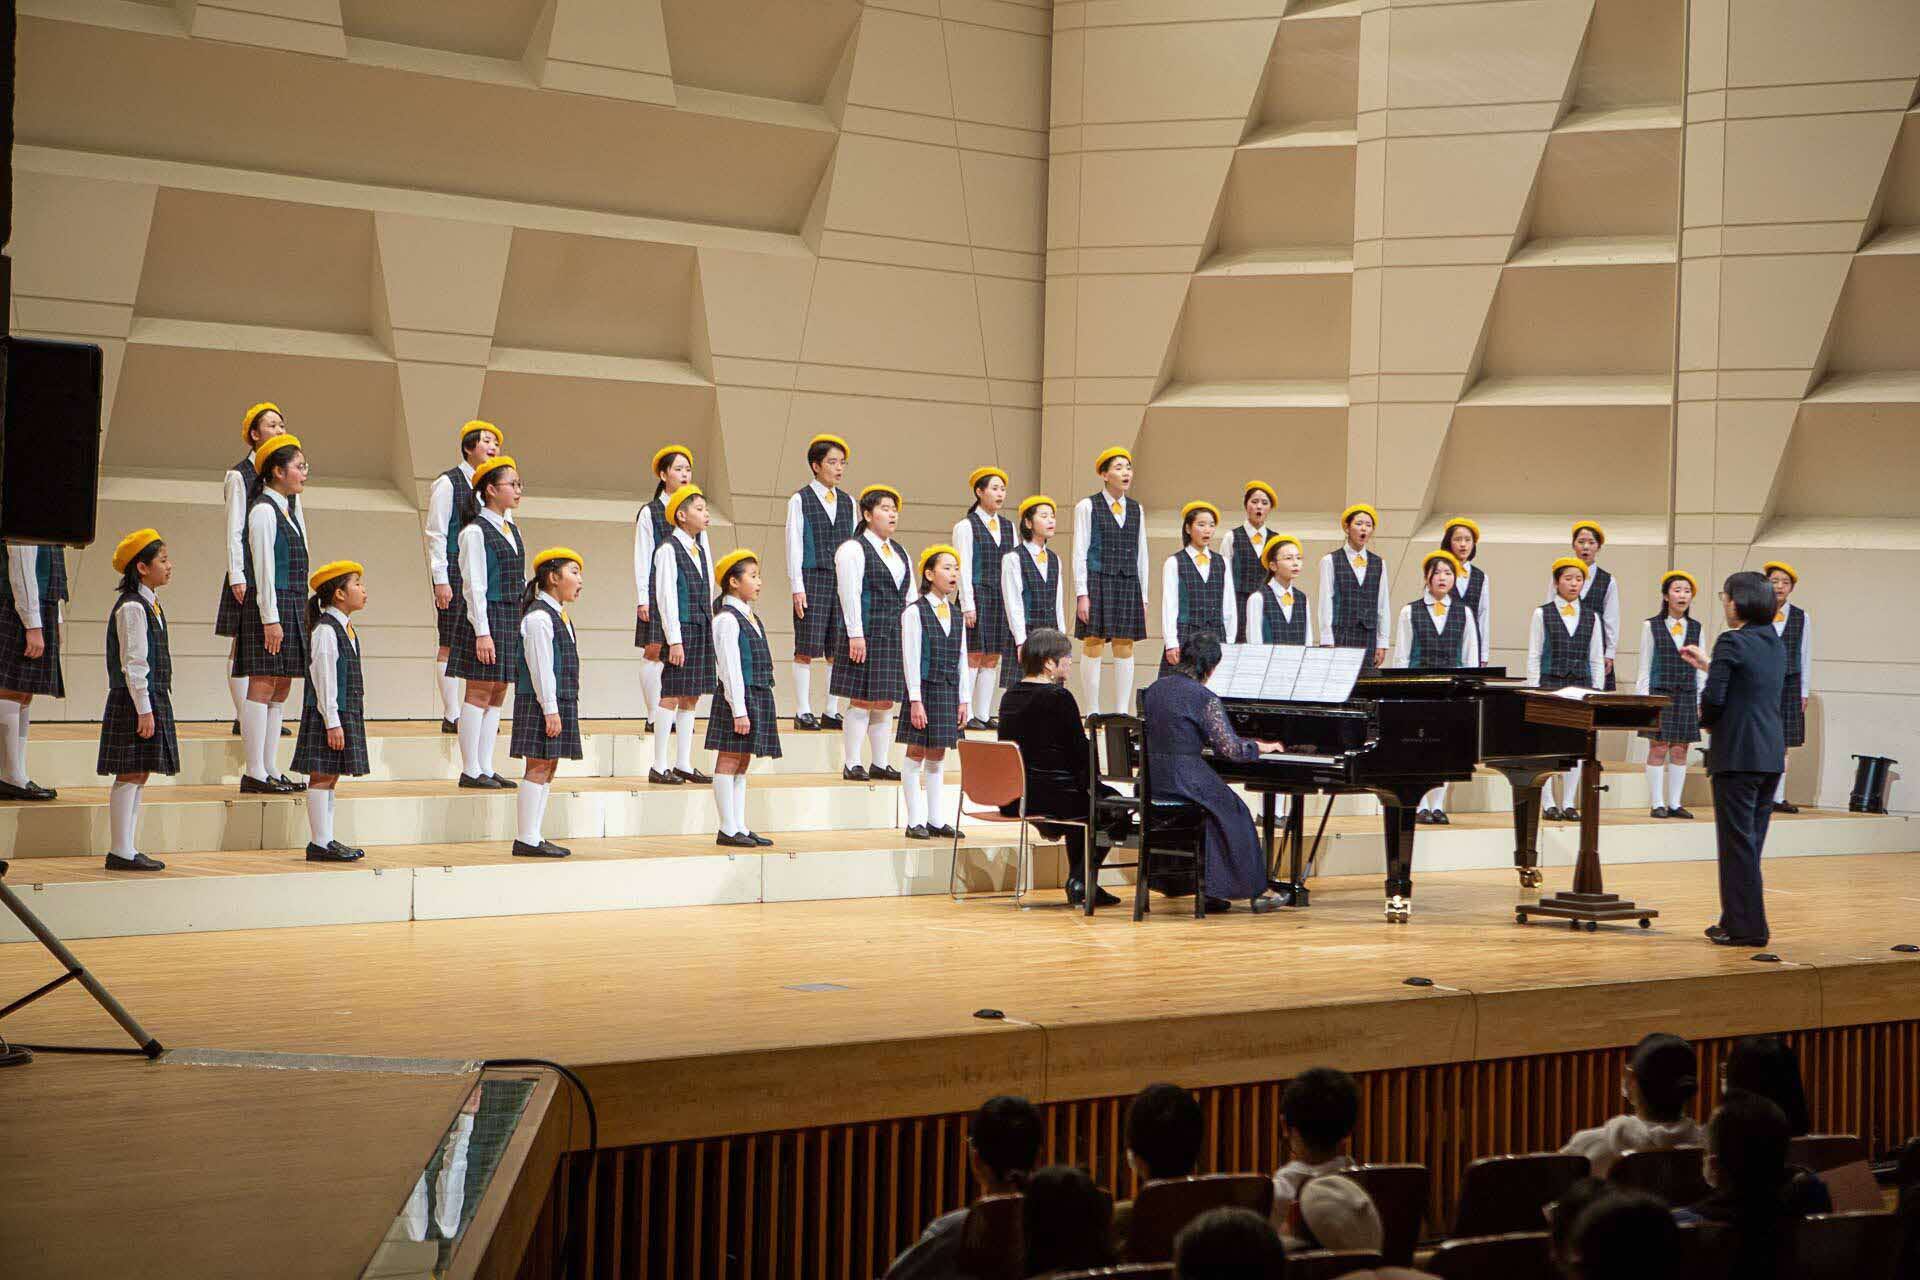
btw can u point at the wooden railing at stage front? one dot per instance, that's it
(842, 1200)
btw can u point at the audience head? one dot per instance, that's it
(1229, 1244)
(1747, 1147)
(1749, 600)
(1321, 1105)
(1004, 1142)
(1626, 1236)
(1563, 1213)
(1046, 653)
(1341, 1215)
(1662, 1077)
(1199, 656)
(1766, 1066)
(1067, 1220)
(1164, 1131)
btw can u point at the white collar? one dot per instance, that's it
(1429, 597)
(333, 611)
(935, 599)
(466, 468)
(739, 606)
(1259, 533)
(495, 518)
(146, 593)
(546, 597)
(1036, 550)
(1346, 549)
(278, 498)
(1109, 499)
(1560, 604)
(878, 542)
(687, 540)
(823, 493)
(1279, 590)
(1194, 553)
(991, 520)
(1667, 619)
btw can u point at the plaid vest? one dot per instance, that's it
(1246, 562)
(1201, 599)
(1471, 596)
(566, 660)
(1275, 626)
(1670, 672)
(1563, 657)
(289, 559)
(1356, 607)
(756, 659)
(465, 510)
(49, 574)
(1435, 646)
(940, 650)
(880, 596)
(821, 534)
(695, 604)
(986, 553)
(1114, 549)
(1596, 591)
(1041, 592)
(506, 563)
(350, 688)
(250, 487)
(1793, 635)
(159, 657)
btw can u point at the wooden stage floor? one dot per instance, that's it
(694, 1022)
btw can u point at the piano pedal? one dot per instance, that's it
(1399, 909)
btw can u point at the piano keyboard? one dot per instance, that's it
(1294, 757)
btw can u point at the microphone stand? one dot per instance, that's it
(15, 1055)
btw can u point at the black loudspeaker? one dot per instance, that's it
(50, 441)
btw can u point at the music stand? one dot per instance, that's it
(1589, 903)
(74, 971)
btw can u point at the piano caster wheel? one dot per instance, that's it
(1520, 917)
(1530, 877)
(1574, 925)
(1399, 910)
(1645, 923)
(1593, 926)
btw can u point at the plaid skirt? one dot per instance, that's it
(990, 632)
(700, 672)
(250, 656)
(1679, 719)
(1115, 610)
(943, 719)
(1213, 629)
(226, 617)
(122, 750)
(818, 635)
(503, 621)
(21, 674)
(530, 740)
(881, 678)
(446, 623)
(762, 740)
(1793, 714)
(312, 755)
(647, 630)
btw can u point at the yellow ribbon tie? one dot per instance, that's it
(351, 634)
(1566, 611)
(1119, 508)
(1440, 608)
(1043, 557)
(1286, 598)
(1678, 628)
(886, 552)
(1203, 558)
(1360, 565)
(564, 618)
(940, 611)
(160, 613)
(1780, 616)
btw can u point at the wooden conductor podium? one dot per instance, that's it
(1589, 903)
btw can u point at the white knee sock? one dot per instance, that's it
(489, 738)
(1657, 785)
(472, 722)
(1546, 793)
(852, 735)
(1090, 684)
(451, 693)
(237, 690)
(13, 742)
(650, 673)
(740, 802)
(320, 817)
(1573, 787)
(836, 705)
(663, 738)
(123, 810)
(683, 725)
(880, 735)
(911, 771)
(270, 740)
(528, 807)
(1677, 785)
(980, 703)
(253, 737)
(723, 803)
(1123, 686)
(934, 778)
(802, 688)
(1780, 789)
(1435, 799)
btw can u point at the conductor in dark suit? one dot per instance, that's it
(1741, 706)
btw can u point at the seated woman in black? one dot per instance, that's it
(1183, 717)
(1041, 716)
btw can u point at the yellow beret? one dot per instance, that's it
(491, 465)
(680, 498)
(1452, 561)
(1783, 567)
(558, 553)
(1036, 500)
(937, 549)
(664, 452)
(1199, 504)
(1460, 522)
(132, 545)
(887, 489)
(1568, 562)
(980, 474)
(246, 423)
(1108, 455)
(270, 446)
(1358, 508)
(333, 569)
(1276, 542)
(739, 555)
(824, 438)
(1259, 486)
(481, 424)
(1599, 534)
(1671, 574)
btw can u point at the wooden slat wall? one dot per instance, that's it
(842, 1201)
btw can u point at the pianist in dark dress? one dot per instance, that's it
(1183, 718)
(1040, 715)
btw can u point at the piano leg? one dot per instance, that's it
(1297, 840)
(1526, 826)
(1401, 809)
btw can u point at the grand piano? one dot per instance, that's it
(1402, 733)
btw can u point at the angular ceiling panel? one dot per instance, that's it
(767, 48)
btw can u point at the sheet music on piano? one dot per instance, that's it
(1286, 673)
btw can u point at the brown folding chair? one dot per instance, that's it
(1165, 1206)
(1846, 1246)
(993, 773)
(1518, 1255)
(1330, 1264)
(1677, 1175)
(1399, 1192)
(1503, 1194)
(993, 1243)
(1823, 1151)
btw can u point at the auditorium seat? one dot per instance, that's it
(1399, 1192)
(1330, 1264)
(1136, 1270)
(993, 1244)
(1823, 1151)
(1165, 1206)
(1846, 1246)
(1677, 1176)
(1518, 1255)
(1499, 1194)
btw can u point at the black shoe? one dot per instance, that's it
(832, 722)
(881, 772)
(808, 723)
(285, 732)
(976, 722)
(1421, 817)
(545, 849)
(505, 784)
(993, 722)
(252, 786)
(727, 841)
(919, 833)
(1715, 932)
(1659, 811)
(337, 847)
(694, 776)
(1218, 906)
(1782, 806)
(236, 728)
(482, 782)
(1569, 815)
(1680, 811)
(31, 791)
(665, 778)
(1076, 891)
(1728, 940)
(1550, 814)
(1101, 898)
(945, 833)
(330, 853)
(759, 840)
(449, 726)
(289, 783)
(138, 862)
(1440, 818)
(853, 773)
